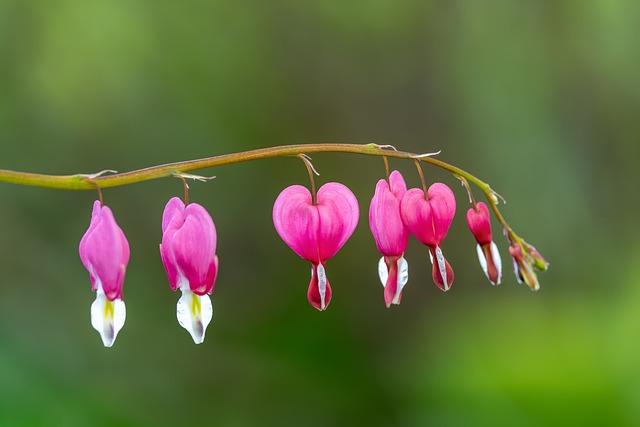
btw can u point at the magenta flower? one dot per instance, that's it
(104, 252)
(316, 231)
(428, 217)
(188, 253)
(391, 236)
(479, 222)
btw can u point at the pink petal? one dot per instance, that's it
(338, 217)
(429, 219)
(391, 287)
(388, 230)
(316, 232)
(174, 207)
(479, 223)
(169, 262)
(104, 251)
(397, 185)
(193, 246)
(297, 221)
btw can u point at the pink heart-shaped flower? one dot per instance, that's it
(316, 232)
(429, 218)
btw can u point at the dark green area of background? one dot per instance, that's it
(541, 99)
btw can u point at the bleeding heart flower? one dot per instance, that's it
(428, 217)
(391, 236)
(316, 231)
(525, 258)
(188, 252)
(104, 252)
(479, 222)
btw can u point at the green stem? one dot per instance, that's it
(88, 182)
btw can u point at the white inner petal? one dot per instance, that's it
(107, 317)
(442, 266)
(403, 278)
(483, 261)
(497, 261)
(383, 272)
(194, 313)
(322, 285)
(516, 270)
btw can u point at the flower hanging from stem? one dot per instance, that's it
(315, 223)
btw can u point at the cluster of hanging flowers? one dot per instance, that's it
(315, 225)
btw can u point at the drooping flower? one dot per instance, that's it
(391, 236)
(428, 217)
(479, 222)
(104, 251)
(316, 231)
(188, 252)
(525, 258)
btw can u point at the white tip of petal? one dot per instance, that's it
(483, 260)
(442, 266)
(403, 278)
(383, 272)
(107, 317)
(322, 285)
(194, 313)
(497, 261)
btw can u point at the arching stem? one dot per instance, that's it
(86, 182)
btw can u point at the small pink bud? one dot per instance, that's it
(479, 222)
(188, 253)
(316, 232)
(524, 261)
(104, 252)
(428, 217)
(522, 267)
(391, 235)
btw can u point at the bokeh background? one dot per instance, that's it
(541, 99)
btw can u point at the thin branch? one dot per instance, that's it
(87, 182)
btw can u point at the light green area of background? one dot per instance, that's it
(541, 99)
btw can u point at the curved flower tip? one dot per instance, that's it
(107, 317)
(194, 313)
(391, 236)
(319, 290)
(441, 271)
(429, 217)
(394, 275)
(479, 222)
(524, 262)
(316, 232)
(188, 253)
(104, 252)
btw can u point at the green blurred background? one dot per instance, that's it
(541, 99)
